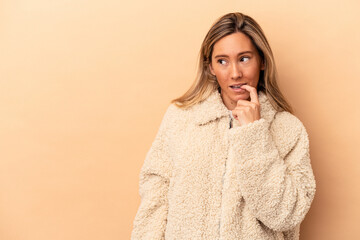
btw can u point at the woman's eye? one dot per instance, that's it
(221, 61)
(244, 59)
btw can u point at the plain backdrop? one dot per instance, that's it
(84, 86)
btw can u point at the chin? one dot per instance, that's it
(243, 96)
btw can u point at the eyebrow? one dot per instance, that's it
(223, 55)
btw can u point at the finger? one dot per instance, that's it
(239, 111)
(242, 102)
(234, 114)
(253, 94)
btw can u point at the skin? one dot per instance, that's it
(235, 60)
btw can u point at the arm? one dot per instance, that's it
(278, 190)
(151, 217)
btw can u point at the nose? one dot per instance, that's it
(235, 71)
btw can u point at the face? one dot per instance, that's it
(235, 61)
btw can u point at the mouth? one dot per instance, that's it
(237, 86)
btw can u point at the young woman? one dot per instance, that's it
(230, 161)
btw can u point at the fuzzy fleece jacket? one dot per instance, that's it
(204, 180)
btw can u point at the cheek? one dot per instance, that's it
(222, 78)
(253, 75)
(222, 73)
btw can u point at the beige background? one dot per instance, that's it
(84, 85)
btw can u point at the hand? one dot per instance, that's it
(247, 111)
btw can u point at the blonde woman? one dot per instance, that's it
(230, 160)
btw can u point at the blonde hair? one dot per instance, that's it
(205, 83)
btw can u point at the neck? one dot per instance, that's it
(229, 104)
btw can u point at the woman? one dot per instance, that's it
(230, 161)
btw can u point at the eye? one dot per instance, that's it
(221, 61)
(244, 59)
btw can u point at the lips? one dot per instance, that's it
(237, 86)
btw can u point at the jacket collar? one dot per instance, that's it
(213, 108)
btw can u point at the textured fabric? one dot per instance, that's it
(202, 179)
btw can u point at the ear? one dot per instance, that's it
(211, 69)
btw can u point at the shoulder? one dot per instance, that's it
(173, 112)
(173, 116)
(184, 115)
(287, 129)
(287, 121)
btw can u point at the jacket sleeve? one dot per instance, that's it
(151, 217)
(278, 188)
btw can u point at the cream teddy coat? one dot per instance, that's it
(204, 180)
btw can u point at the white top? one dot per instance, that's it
(231, 116)
(231, 119)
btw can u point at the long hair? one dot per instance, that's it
(205, 83)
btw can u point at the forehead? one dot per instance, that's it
(233, 44)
